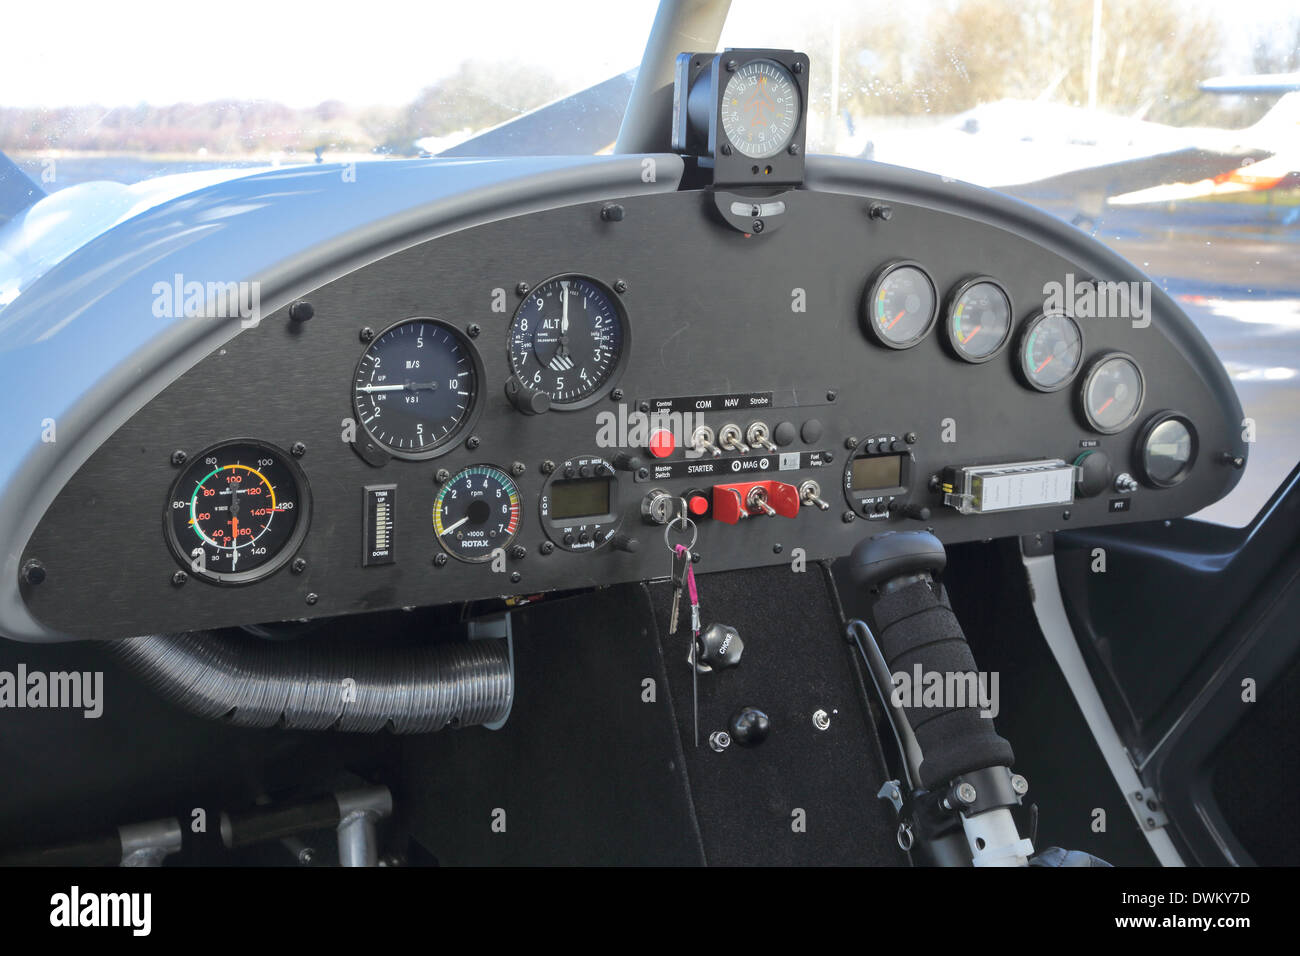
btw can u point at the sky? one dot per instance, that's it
(375, 52)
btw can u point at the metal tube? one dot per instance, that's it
(681, 26)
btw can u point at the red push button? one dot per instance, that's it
(662, 443)
(698, 505)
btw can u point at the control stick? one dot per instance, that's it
(964, 766)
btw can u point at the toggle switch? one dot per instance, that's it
(729, 438)
(810, 494)
(736, 501)
(702, 441)
(758, 436)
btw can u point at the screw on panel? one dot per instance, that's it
(439, 560)
(521, 289)
(472, 442)
(821, 720)
(33, 572)
(298, 449)
(179, 578)
(847, 517)
(518, 552)
(830, 395)
(612, 212)
(473, 329)
(726, 149)
(620, 286)
(518, 468)
(794, 149)
(616, 395)
(179, 457)
(757, 226)
(312, 598)
(548, 467)
(299, 565)
(881, 212)
(851, 443)
(966, 793)
(719, 740)
(1019, 784)
(366, 334)
(441, 476)
(546, 547)
(515, 577)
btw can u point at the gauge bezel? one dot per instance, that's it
(1023, 338)
(1085, 407)
(302, 508)
(619, 364)
(869, 296)
(442, 486)
(1144, 434)
(451, 440)
(608, 523)
(954, 297)
(725, 80)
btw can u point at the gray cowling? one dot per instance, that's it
(254, 683)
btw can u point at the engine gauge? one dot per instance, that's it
(416, 387)
(978, 319)
(1165, 449)
(476, 512)
(1051, 349)
(568, 340)
(901, 305)
(1112, 393)
(760, 108)
(237, 512)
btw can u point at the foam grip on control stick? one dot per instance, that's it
(915, 626)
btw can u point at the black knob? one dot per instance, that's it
(527, 400)
(749, 726)
(301, 311)
(626, 462)
(720, 646)
(917, 512)
(1095, 473)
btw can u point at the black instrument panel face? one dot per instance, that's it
(832, 379)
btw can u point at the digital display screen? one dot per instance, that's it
(579, 498)
(876, 471)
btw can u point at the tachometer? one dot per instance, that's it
(238, 511)
(1112, 393)
(979, 319)
(1051, 349)
(900, 305)
(476, 512)
(568, 340)
(416, 386)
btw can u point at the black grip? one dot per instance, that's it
(915, 625)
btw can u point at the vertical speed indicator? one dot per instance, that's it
(416, 387)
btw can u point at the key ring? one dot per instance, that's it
(686, 522)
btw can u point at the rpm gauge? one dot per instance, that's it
(237, 512)
(1112, 393)
(760, 108)
(476, 512)
(415, 387)
(901, 305)
(568, 340)
(1051, 350)
(979, 319)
